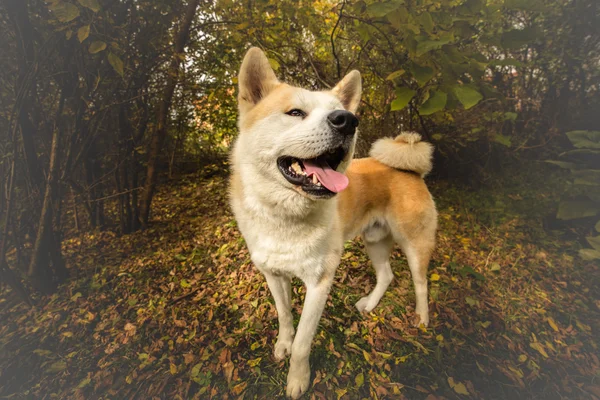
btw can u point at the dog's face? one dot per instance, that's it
(296, 138)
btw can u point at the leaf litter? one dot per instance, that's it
(178, 311)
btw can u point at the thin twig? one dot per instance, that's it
(337, 60)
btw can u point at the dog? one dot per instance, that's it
(297, 195)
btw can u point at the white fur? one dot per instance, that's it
(406, 152)
(288, 232)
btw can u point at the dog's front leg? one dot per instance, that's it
(314, 303)
(280, 287)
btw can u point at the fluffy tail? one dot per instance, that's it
(406, 152)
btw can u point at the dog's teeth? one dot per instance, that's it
(314, 179)
(318, 183)
(296, 168)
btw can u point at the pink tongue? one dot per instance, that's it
(331, 179)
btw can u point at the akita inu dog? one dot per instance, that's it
(297, 196)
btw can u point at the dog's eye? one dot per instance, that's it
(296, 113)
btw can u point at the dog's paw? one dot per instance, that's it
(298, 379)
(422, 319)
(283, 348)
(364, 305)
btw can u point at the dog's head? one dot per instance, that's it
(299, 139)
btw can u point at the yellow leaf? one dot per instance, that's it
(96, 47)
(360, 379)
(173, 369)
(238, 389)
(539, 347)
(83, 33)
(367, 357)
(460, 389)
(516, 371)
(434, 277)
(340, 392)
(254, 362)
(552, 324)
(522, 358)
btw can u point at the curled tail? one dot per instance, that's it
(405, 151)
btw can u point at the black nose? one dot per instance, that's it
(343, 121)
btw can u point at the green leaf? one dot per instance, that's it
(97, 46)
(91, 4)
(471, 301)
(464, 271)
(84, 382)
(574, 209)
(594, 241)
(422, 74)
(562, 164)
(467, 96)
(589, 177)
(517, 38)
(184, 283)
(426, 21)
(585, 139)
(589, 254)
(503, 140)
(403, 96)
(65, 12)
(394, 75)
(380, 9)
(435, 103)
(57, 367)
(360, 379)
(116, 63)
(83, 33)
(274, 64)
(428, 45)
(398, 18)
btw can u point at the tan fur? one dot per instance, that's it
(291, 233)
(377, 190)
(405, 152)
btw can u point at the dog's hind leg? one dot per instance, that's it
(379, 253)
(418, 252)
(280, 287)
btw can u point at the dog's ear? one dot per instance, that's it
(256, 79)
(348, 90)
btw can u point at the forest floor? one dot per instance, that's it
(178, 311)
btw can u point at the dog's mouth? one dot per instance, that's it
(315, 176)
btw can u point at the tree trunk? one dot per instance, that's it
(158, 138)
(18, 13)
(45, 242)
(6, 274)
